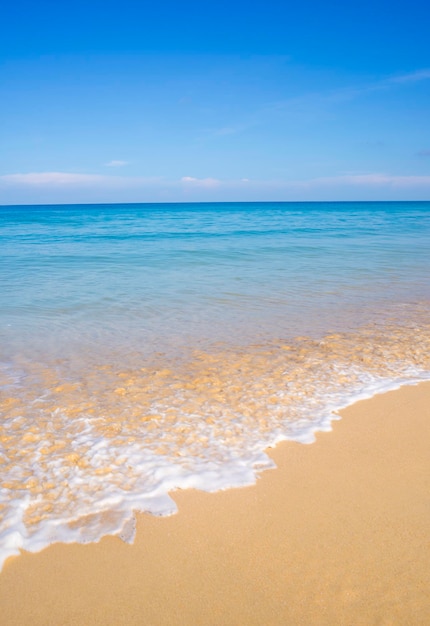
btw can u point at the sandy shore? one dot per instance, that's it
(339, 534)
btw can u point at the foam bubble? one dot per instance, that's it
(83, 447)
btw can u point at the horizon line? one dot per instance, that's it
(161, 202)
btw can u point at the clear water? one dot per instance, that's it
(150, 347)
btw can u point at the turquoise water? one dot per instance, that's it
(154, 276)
(149, 347)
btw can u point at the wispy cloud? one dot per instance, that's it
(116, 163)
(385, 179)
(411, 77)
(350, 185)
(69, 179)
(200, 182)
(52, 178)
(63, 179)
(314, 101)
(355, 91)
(369, 180)
(364, 180)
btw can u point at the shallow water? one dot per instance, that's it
(151, 347)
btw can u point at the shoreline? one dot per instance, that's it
(337, 534)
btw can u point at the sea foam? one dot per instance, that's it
(149, 348)
(80, 457)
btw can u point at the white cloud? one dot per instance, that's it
(73, 187)
(201, 182)
(68, 179)
(375, 179)
(116, 163)
(52, 178)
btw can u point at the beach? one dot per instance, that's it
(214, 413)
(337, 534)
(214, 314)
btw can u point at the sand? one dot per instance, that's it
(339, 534)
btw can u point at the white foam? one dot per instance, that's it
(83, 502)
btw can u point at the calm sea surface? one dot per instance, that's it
(150, 347)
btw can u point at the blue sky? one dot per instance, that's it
(187, 101)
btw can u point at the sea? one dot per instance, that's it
(146, 348)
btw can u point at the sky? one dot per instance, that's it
(191, 101)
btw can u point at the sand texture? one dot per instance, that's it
(339, 534)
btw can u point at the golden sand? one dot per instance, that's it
(339, 534)
(117, 429)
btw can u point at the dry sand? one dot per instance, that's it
(339, 534)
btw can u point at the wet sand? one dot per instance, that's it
(339, 534)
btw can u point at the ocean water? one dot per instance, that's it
(146, 348)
